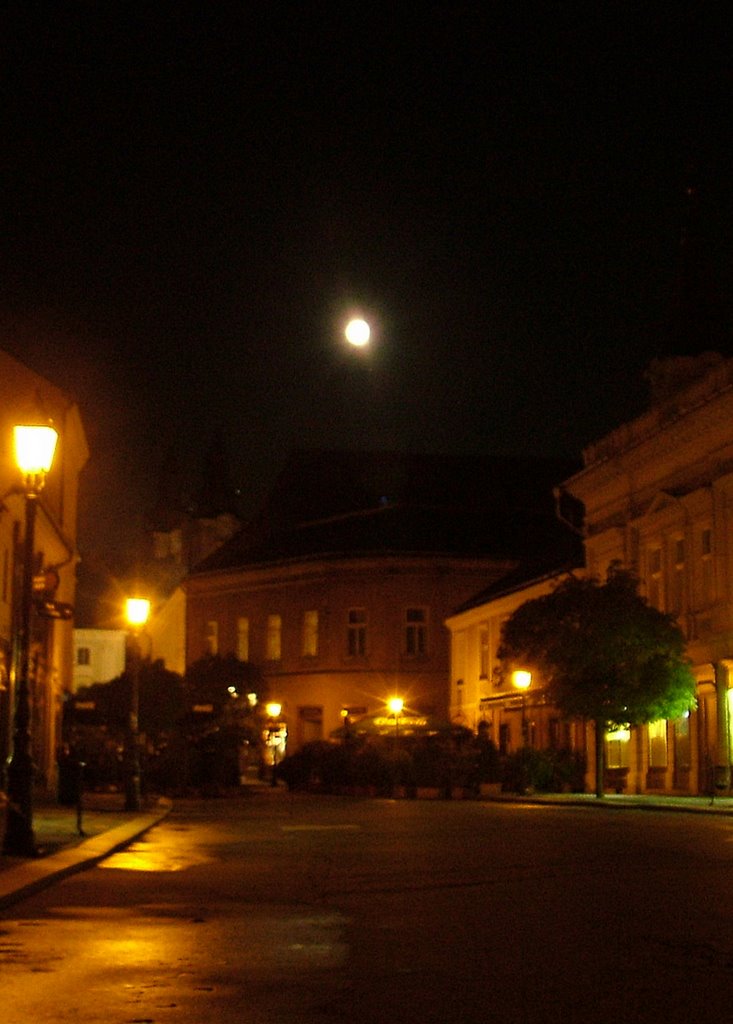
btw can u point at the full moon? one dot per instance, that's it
(357, 332)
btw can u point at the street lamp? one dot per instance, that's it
(273, 710)
(395, 705)
(34, 451)
(137, 610)
(521, 680)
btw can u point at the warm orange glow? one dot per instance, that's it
(358, 332)
(395, 705)
(621, 734)
(137, 610)
(273, 710)
(34, 449)
(521, 679)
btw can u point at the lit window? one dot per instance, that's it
(310, 634)
(274, 637)
(617, 747)
(682, 743)
(243, 639)
(356, 632)
(416, 631)
(211, 637)
(657, 744)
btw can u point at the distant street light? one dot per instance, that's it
(358, 332)
(137, 610)
(395, 706)
(522, 680)
(274, 710)
(34, 451)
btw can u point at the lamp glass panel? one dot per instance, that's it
(34, 448)
(137, 610)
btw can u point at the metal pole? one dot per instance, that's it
(132, 751)
(19, 839)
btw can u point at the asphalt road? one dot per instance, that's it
(301, 910)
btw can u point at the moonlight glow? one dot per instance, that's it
(357, 332)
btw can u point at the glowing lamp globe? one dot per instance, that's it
(137, 610)
(34, 449)
(395, 705)
(521, 679)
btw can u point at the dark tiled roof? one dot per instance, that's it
(496, 508)
(529, 571)
(315, 484)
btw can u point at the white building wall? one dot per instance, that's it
(99, 655)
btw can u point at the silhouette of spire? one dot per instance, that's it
(169, 508)
(216, 494)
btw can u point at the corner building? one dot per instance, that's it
(658, 497)
(340, 590)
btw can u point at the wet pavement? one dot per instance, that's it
(68, 840)
(106, 827)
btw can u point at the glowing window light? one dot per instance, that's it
(621, 734)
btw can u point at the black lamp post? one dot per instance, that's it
(34, 451)
(137, 610)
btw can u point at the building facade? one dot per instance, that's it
(505, 703)
(99, 656)
(657, 495)
(344, 609)
(335, 634)
(26, 397)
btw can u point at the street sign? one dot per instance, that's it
(54, 609)
(46, 582)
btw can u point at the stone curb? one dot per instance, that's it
(31, 876)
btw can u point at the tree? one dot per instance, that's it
(160, 695)
(221, 684)
(216, 679)
(606, 655)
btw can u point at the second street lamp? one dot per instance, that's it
(273, 710)
(522, 680)
(396, 705)
(34, 451)
(137, 610)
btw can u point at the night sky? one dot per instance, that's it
(194, 199)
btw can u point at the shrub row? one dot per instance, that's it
(379, 765)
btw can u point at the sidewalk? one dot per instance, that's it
(107, 827)
(624, 801)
